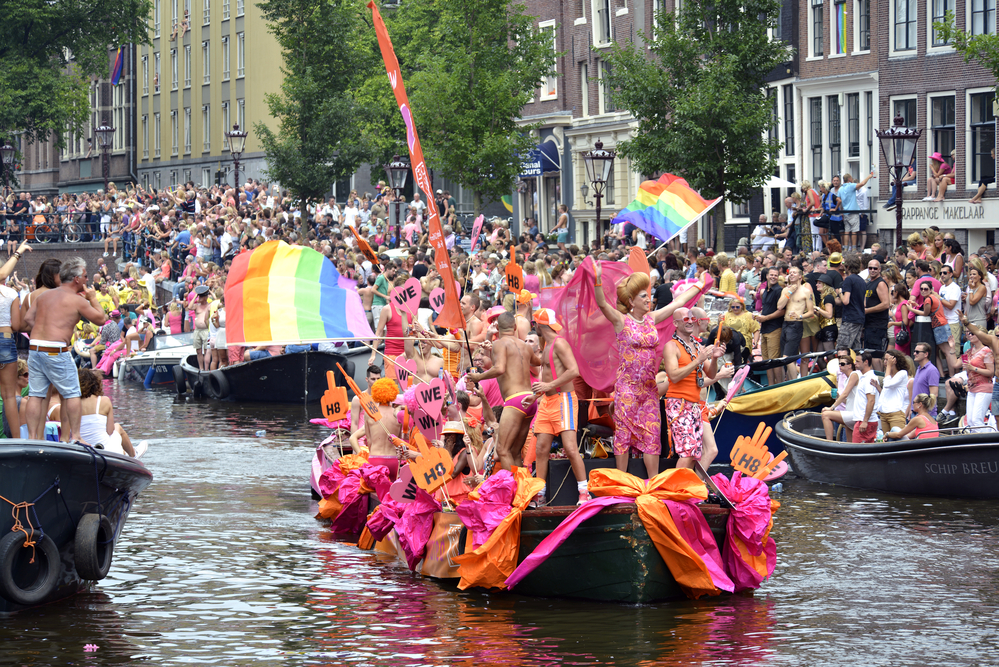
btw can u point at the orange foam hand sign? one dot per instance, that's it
(750, 455)
(367, 403)
(433, 467)
(514, 274)
(334, 401)
(364, 247)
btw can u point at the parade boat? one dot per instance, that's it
(68, 507)
(155, 365)
(299, 377)
(959, 463)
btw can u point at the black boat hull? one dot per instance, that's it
(962, 465)
(64, 482)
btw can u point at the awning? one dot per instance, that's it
(544, 158)
(81, 187)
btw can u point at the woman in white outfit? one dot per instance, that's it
(846, 396)
(97, 426)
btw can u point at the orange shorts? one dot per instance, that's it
(556, 413)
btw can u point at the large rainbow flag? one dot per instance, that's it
(664, 207)
(279, 294)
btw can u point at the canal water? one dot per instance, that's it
(222, 563)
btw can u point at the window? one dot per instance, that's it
(942, 124)
(156, 18)
(206, 59)
(241, 115)
(585, 90)
(789, 120)
(907, 110)
(156, 73)
(775, 32)
(173, 69)
(815, 109)
(853, 125)
(145, 75)
(173, 8)
(145, 181)
(207, 12)
(156, 180)
(239, 7)
(174, 133)
(156, 135)
(740, 210)
(187, 66)
(145, 137)
(206, 128)
(604, 88)
(816, 28)
(940, 9)
(118, 116)
(206, 177)
(549, 85)
(240, 54)
(602, 24)
(864, 25)
(187, 130)
(838, 25)
(872, 159)
(225, 58)
(834, 134)
(225, 125)
(905, 25)
(609, 187)
(225, 10)
(173, 178)
(772, 130)
(983, 17)
(983, 137)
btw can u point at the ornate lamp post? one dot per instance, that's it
(598, 164)
(898, 145)
(105, 140)
(7, 152)
(237, 142)
(397, 171)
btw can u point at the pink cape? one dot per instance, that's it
(353, 501)
(749, 521)
(588, 332)
(416, 525)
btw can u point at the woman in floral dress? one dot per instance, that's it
(636, 399)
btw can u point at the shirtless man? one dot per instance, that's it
(524, 302)
(381, 449)
(557, 404)
(428, 366)
(51, 319)
(799, 301)
(368, 298)
(201, 326)
(470, 306)
(373, 375)
(512, 361)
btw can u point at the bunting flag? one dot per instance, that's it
(279, 294)
(665, 207)
(451, 316)
(119, 62)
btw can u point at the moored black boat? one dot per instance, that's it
(958, 464)
(72, 502)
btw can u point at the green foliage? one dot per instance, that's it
(317, 141)
(981, 48)
(469, 66)
(700, 95)
(40, 41)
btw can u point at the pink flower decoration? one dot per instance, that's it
(90, 648)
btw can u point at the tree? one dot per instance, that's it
(319, 133)
(981, 48)
(48, 50)
(472, 71)
(700, 96)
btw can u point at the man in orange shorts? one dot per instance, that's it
(557, 405)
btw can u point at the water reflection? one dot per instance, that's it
(222, 564)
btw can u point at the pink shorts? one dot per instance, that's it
(390, 462)
(684, 419)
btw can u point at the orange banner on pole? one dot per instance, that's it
(451, 316)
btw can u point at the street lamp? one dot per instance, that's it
(7, 152)
(598, 165)
(397, 171)
(105, 140)
(898, 145)
(237, 142)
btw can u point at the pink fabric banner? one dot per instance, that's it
(494, 504)
(696, 532)
(749, 526)
(416, 525)
(589, 333)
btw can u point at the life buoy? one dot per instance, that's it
(180, 379)
(93, 546)
(217, 385)
(46, 556)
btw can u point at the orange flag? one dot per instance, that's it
(640, 263)
(451, 317)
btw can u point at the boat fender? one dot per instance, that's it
(180, 379)
(198, 389)
(93, 546)
(218, 385)
(46, 553)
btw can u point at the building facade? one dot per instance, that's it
(209, 67)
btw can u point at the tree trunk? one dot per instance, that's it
(477, 204)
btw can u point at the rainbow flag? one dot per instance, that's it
(119, 62)
(664, 207)
(278, 294)
(841, 28)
